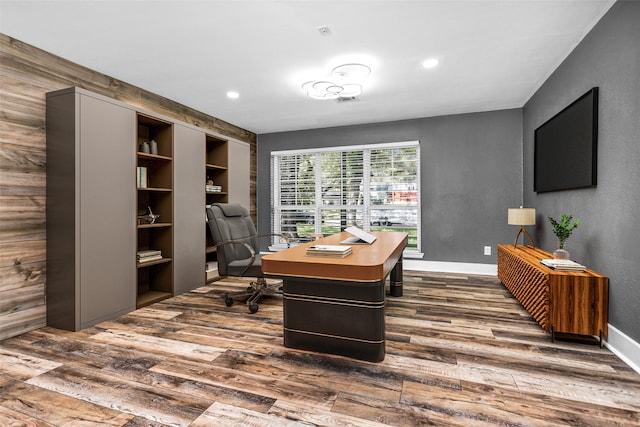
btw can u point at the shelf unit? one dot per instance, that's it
(155, 278)
(217, 168)
(217, 171)
(566, 302)
(90, 209)
(94, 229)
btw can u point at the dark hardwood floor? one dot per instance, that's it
(460, 351)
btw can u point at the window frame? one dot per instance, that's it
(319, 205)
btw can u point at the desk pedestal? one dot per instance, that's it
(337, 317)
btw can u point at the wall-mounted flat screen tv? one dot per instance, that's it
(566, 147)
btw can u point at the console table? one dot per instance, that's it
(569, 302)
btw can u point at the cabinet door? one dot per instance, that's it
(107, 210)
(239, 166)
(189, 209)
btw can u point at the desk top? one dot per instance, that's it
(367, 263)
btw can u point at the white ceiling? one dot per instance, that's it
(493, 54)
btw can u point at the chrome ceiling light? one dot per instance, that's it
(343, 82)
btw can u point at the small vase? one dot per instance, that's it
(154, 147)
(561, 254)
(144, 147)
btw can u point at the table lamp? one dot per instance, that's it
(522, 216)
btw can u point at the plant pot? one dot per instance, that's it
(561, 253)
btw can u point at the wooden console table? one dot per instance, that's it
(570, 302)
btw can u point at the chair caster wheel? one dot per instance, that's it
(253, 308)
(249, 288)
(228, 301)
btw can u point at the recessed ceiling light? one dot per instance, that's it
(233, 95)
(430, 63)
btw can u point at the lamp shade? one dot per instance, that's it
(521, 216)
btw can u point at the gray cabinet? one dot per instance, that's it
(97, 198)
(189, 201)
(90, 209)
(239, 164)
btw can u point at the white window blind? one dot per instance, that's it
(373, 187)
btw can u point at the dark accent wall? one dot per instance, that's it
(471, 172)
(608, 241)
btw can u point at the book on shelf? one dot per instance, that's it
(330, 251)
(148, 252)
(148, 255)
(141, 176)
(563, 265)
(360, 237)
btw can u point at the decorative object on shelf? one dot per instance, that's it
(149, 218)
(141, 176)
(522, 216)
(563, 229)
(154, 147)
(144, 147)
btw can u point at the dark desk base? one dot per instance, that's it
(345, 318)
(395, 289)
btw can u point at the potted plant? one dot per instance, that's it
(563, 229)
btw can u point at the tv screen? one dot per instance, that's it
(566, 146)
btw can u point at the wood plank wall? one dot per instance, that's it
(26, 75)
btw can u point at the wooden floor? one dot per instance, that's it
(460, 351)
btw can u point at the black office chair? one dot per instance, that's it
(236, 240)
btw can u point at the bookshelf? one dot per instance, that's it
(98, 221)
(154, 191)
(217, 169)
(217, 176)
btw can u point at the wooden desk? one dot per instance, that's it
(337, 305)
(571, 302)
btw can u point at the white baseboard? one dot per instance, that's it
(624, 347)
(619, 343)
(450, 267)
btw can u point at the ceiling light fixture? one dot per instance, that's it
(343, 82)
(233, 95)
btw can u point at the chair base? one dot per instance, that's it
(253, 293)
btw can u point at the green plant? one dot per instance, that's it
(563, 228)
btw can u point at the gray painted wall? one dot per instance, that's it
(471, 173)
(608, 57)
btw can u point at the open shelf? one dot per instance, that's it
(155, 193)
(217, 173)
(155, 225)
(150, 263)
(150, 156)
(216, 167)
(150, 297)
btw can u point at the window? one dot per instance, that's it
(373, 187)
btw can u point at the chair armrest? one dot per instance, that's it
(249, 248)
